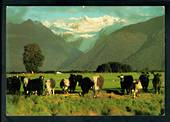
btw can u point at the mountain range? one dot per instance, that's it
(85, 29)
(141, 45)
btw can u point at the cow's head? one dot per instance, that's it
(79, 78)
(153, 73)
(72, 78)
(145, 74)
(157, 75)
(41, 77)
(121, 77)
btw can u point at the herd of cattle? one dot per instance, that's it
(37, 86)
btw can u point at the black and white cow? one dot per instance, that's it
(156, 82)
(24, 81)
(35, 86)
(144, 79)
(13, 85)
(85, 83)
(126, 83)
(73, 82)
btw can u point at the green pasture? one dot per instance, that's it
(107, 103)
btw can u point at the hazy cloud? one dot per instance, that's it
(42, 13)
(16, 14)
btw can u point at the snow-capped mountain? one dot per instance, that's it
(84, 28)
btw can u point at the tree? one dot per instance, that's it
(32, 57)
(104, 68)
(114, 67)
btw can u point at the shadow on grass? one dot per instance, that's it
(61, 92)
(116, 91)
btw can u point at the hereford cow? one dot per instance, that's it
(156, 82)
(137, 88)
(50, 86)
(126, 83)
(98, 83)
(144, 78)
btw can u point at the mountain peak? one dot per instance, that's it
(28, 22)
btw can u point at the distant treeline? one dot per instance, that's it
(55, 72)
(114, 67)
(107, 67)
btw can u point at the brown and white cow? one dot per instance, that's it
(98, 83)
(64, 85)
(50, 86)
(137, 88)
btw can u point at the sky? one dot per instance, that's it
(17, 14)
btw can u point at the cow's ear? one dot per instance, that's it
(118, 76)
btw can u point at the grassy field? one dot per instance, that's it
(108, 102)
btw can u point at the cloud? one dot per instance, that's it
(85, 24)
(87, 35)
(75, 18)
(42, 13)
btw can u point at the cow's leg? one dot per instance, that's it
(159, 90)
(18, 92)
(155, 89)
(82, 94)
(123, 90)
(36, 93)
(144, 89)
(134, 94)
(94, 94)
(127, 90)
(47, 92)
(147, 88)
(70, 90)
(138, 92)
(53, 91)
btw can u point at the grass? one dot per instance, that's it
(107, 103)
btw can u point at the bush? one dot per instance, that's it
(114, 67)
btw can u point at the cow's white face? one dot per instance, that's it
(41, 77)
(121, 78)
